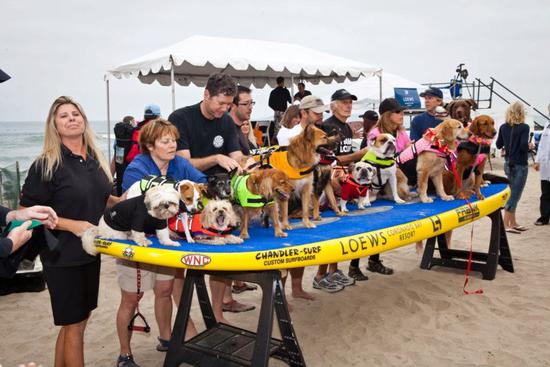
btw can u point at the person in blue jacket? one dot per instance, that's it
(433, 97)
(513, 136)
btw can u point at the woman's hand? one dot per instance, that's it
(44, 214)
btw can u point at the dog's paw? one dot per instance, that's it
(143, 242)
(281, 234)
(447, 197)
(344, 209)
(400, 201)
(244, 235)
(233, 239)
(426, 200)
(480, 196)
(170, 243)
(340, 213)
(286, 226)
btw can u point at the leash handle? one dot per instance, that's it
(145, 328)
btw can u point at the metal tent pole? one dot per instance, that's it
(108, 119)
(172, 82)
(292, 88)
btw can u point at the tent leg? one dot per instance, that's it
(292, 88)
(172, 80)
(380, 87)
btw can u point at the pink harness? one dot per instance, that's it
(422, 145)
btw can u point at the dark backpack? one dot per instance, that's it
(124, 132)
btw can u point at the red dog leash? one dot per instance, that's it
(145, 328)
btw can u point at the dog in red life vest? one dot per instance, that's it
(355, 184)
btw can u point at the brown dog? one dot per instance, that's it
(471, 154)
(261, 188)
(460, 110)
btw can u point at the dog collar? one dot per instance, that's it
(437, 144)
(478, 140)
(376, 161)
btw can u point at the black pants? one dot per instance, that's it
(545, 199)
(355, 262)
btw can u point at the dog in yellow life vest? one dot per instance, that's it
(297, 160)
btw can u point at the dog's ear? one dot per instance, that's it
(351, 166)
(448, 106)
(202, 189)
(212, 178)
(472, 103)
(309, 132)
(149, 197)
(186, 189)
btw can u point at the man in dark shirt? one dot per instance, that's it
(302, 92)
(241, 110)
(433, 97)
(207, 132)
(209, 141)
(279, 98)
(340, 105)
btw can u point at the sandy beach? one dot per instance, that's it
(412, 318)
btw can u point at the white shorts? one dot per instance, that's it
(127, 275)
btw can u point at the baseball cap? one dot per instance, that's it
(369, 115)
(313, 103)
(436, 92)
(390, 104)
(151, 110)
(342, 94)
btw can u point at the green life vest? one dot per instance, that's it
(243, 196)
(371, 158)
(151, 181)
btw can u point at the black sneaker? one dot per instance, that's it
(356, 274)
(541, 221)
(126, 361)
(378, 267)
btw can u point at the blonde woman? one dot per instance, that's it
(72, 176)
(513, 136)
(290, 125)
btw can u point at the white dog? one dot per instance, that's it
(132, 218)
(190, 194)
(381, 156)
(356, 185)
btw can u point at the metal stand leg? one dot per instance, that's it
(486, 263)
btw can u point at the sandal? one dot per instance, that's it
(512, 230)
(541, 221)
(245, 287)
(378, 267)
(521, 228)
(163, 345)
(356, 274)
(236, 307)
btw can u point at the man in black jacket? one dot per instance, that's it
(279, 98)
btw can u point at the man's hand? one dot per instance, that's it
(228, 163)
(20, 235)
(44, 214)
(536, 166)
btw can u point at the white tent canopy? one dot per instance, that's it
(251, 62)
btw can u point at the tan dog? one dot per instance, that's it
(298, 161)
(471, 154)
(432, 152)
(261, 188)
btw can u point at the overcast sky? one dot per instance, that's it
(53, 48)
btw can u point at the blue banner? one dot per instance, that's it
(407, 97)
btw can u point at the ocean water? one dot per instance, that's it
(22, 141)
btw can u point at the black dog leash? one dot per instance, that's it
(145, 328)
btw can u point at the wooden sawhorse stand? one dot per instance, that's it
(486, 263)
(229, 346)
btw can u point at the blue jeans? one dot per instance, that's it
(517, 175)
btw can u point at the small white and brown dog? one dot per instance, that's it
(356, 185)
(381, 156)
(133, 218)
(191, 194)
